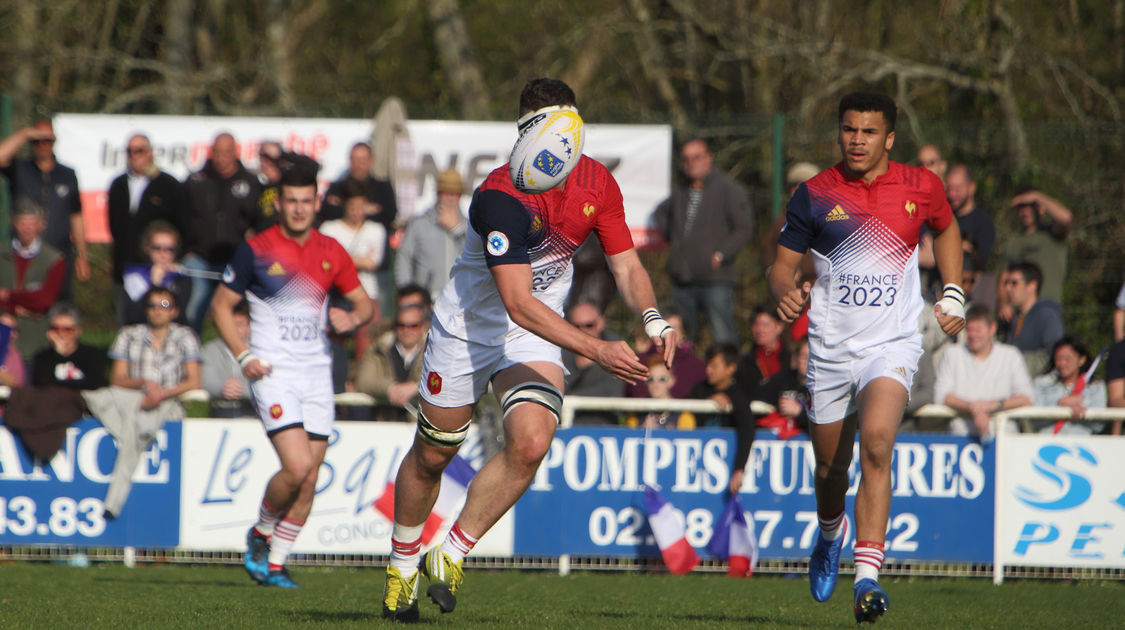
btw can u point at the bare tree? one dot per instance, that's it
(455, 52)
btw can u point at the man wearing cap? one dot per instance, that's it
(53, 186)
(31, 275)
(435, 239)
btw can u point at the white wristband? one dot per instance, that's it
(952, 301)
(246, 357)
(655, 326)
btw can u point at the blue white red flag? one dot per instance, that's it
(454, 485)
(667, 525)
(735, 541)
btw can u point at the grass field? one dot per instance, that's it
(38, 595)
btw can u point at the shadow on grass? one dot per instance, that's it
(705, 617)
(331, 615)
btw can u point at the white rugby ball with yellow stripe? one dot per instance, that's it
(549, 146)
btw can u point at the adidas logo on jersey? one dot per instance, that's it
(837, 214)
(276, 270)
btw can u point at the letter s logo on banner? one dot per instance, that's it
(1072, 488)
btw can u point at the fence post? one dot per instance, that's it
(778, 162)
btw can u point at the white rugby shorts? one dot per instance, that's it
(287, 397)
(456, 372)
(834, 384)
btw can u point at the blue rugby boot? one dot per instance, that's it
(870, 601)
(824, 564)
(257, 554)
(280, 578)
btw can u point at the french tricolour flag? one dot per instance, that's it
(734, 540)
(454, 484)
(668, 527)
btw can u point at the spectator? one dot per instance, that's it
(767, 356)
(273, 162)
(160, 358)
(1119, 315)
(1115, 381)
(365, 242)
(1060, 386)
(32, 273)
(797, 174)
(585, 377)
(222, 203)
(788, 392)
(382, 207)
(720, 386)
(222, 375)
(138, 197)
(391, 368)
(978, 231)
(67, 362)
(54, 187)
(688, 368)
(13, 373)
(161, 243)
(659, 385)
(706, 225)
(1038, 322)
(929, 156)
(1040, 242)
(432, 241)
(981, 376)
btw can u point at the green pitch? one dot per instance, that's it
(156, 597)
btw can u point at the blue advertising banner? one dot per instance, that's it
(587, 498)
(60, 501)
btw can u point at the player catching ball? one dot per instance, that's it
(862, 219)
(499, 320)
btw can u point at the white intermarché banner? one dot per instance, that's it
(94, 145)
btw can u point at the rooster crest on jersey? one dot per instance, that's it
(549, 146)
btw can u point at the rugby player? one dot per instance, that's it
(499, 319)
(286, 272)
(861, 219)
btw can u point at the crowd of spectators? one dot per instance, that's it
(172, 239)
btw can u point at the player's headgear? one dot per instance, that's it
(533, 392)
(870, 102)
(436, 437)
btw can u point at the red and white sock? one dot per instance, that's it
(267, 519)
(868, 559)
(832, 527)
(282, 541)
(457, 544)
(406, 547)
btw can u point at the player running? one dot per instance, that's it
(499, 319)
(285, 273)
(862, 219)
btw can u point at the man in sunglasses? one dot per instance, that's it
(139, 196)
(390, 368)
(585, 377)
(53, 186)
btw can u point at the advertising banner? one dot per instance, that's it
(587, 498)
(639, 156)
(229, 462)
(60, 502)
(1063, 502)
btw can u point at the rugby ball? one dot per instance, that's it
(549, 146)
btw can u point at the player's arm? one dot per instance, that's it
(513, 281)
(791, 299)
(344, 321)
(636, 288)
(222, 313)
(950, 309)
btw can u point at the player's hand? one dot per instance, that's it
(791, 304)
(617, 358)
(950, 324)
(256, 368)
(341, 320)
(667, 345)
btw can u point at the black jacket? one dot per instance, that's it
(221, 209)
(164, 198)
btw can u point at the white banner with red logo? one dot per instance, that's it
(639, 156)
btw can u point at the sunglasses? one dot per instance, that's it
(658, 379)
(162, 248)
(586, 325)
(63, 329)
(411, 326)
(162, 304)
(43, 141)
(136, 150)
